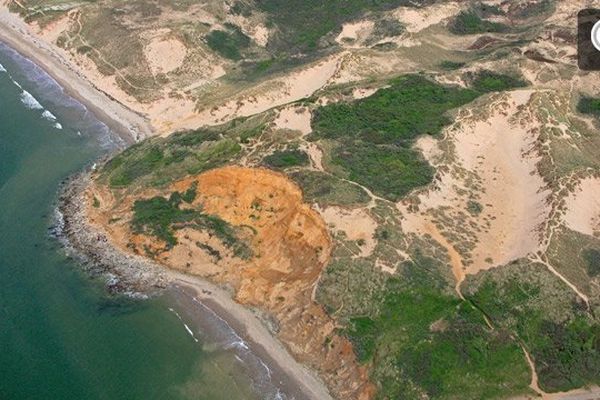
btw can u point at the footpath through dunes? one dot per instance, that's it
(250, 231)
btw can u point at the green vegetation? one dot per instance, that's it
(486, 10)
(451, 65)
(391, 171)
(160, 161)
(469, 22)
(304, 23)
(488, 81)
(228, 43)
(531, 9)
(286, 158)
(375, 134)
(385, 28)
(423, 342)
(592, 258)
(589, 105)
(160, 217)
(411, 106)
(474, 208)
(326, 189)
(563, 339)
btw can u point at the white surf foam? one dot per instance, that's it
(2, 69)
(187, 328)
(48, 115)
(30, 101)
(52, 118)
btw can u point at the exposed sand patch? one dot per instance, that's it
(261, 35)
(361, 93)
(315, 154)
(356, 224)
(52, 31)
(253, 27)
(491, 202)
(417, 19)
(295, 118)
(429, 147)
(165, 54)
(583, 207)
(273, 93)
(354, 33)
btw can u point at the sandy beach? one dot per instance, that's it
(130, 125)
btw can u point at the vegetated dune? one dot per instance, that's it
(583, 207)
(289, 245)
(489, 203)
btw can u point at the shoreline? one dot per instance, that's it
(126, 123)
(139, 277)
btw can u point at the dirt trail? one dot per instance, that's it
(458, 268)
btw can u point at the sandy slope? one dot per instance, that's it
(583, 207)
(492, 166)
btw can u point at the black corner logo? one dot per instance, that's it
(588, 39)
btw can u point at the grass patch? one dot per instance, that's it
(423, 343)
(228, 43)
(159, 161)
(286, 158)
(592, 258)
(487, 81)
(589, 105)
(391, 171)
(303, 23)
(561, 337)
(469, 23)
(161, 217)
(326, 189)
(474, 208)
(411, 106)
(375, 134)
(451, 65)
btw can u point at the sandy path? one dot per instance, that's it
(123, 120)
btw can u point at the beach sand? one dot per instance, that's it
(130, 125)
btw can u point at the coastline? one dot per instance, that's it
(128, 124)
(139, 277)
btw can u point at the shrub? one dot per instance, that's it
(589, 105)
(286, 158)
(228, 43)
(592, 258)
(469, 22)
(488, 81)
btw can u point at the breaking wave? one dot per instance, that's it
(30, 102)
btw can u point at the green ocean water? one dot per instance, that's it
(62, 336)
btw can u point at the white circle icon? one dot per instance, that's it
(596, 35)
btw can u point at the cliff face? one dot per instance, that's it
(288, 246)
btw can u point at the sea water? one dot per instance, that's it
(62, 336)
